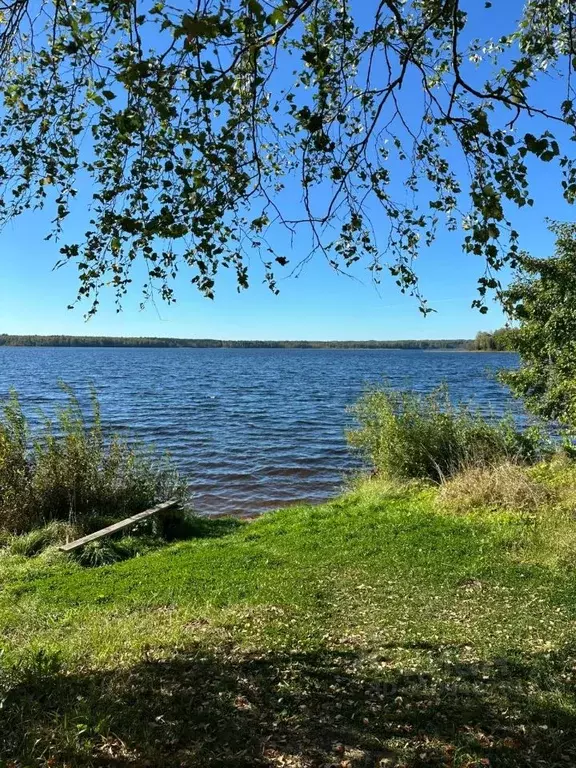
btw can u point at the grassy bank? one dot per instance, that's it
(385, 628)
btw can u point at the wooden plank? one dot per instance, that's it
(128, 521)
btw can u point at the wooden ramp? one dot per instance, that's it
(126, 523)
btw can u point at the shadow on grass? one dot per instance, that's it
(212, 527)
(308, 709)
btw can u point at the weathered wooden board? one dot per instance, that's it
(126, 523)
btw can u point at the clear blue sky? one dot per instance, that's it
(319, 304)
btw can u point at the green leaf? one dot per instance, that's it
(278, 16)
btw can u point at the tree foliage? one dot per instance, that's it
(205, 132)
(500, 340)
(542, 300)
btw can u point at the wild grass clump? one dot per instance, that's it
(407, 435)
(506, 486)
(69, 471)
(37, 540)
(98, 553)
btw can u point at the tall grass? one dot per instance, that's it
(408, 435)
(504, 486)
(69, 471)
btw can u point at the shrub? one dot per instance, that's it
(69, 471)
(408, 435)
(506, 486)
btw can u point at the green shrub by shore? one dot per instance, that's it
(68, 472)
(406, 435)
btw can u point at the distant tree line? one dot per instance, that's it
(501, 340)
(7, 340)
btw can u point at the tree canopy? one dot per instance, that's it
(208, 131)
(542, 301)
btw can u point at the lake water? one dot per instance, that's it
(252, 428)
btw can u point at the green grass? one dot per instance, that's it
(379, 629)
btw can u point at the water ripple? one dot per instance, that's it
(253, 429)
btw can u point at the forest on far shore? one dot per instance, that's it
(484, 341)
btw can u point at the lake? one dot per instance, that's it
(253, 429)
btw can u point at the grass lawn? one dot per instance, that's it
(376, 630)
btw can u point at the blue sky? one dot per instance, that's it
(319, 304)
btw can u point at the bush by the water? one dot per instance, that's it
(69, 471)
(409, 435)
